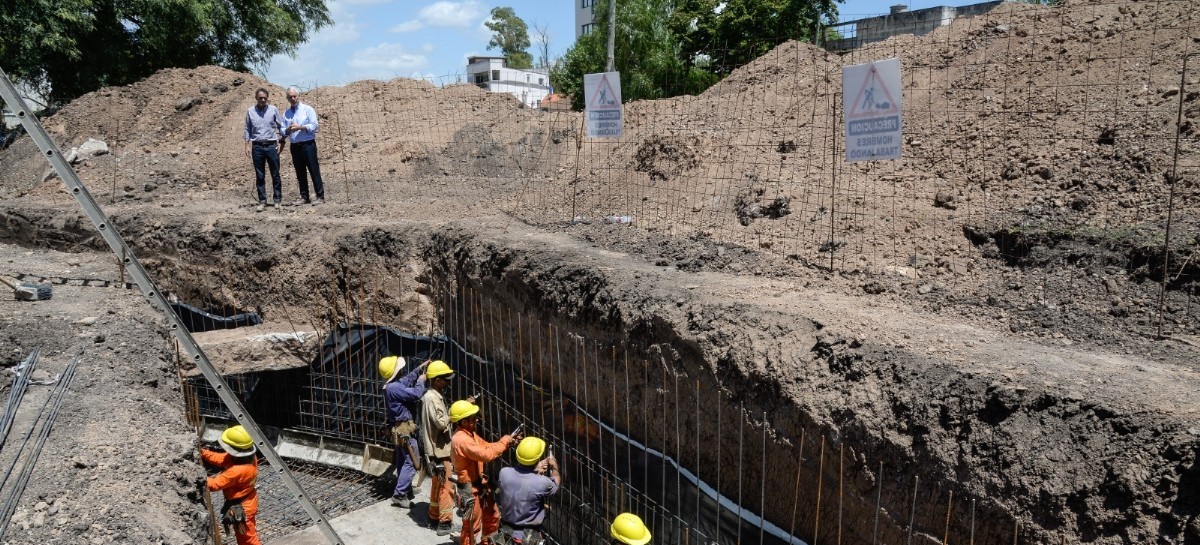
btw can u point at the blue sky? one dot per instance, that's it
(384, 39)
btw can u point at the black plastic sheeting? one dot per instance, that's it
(340, 395)
(198, 321)
(345, 396)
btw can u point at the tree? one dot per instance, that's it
(734, 32)
(647, 54)
(511, 37)
(65, 48)
(542, 39)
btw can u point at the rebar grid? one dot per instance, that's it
(336, 492)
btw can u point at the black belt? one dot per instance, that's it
(535, 527)
(265, 142)
(303, 142)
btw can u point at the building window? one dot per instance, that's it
(526, 78)
(495, 75)
(541, 81)
(587, 3)
(481, 77)
(587, 29)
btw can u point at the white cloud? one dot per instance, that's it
(427, 48)
(453, 14)
(385, 60)
(408, 26)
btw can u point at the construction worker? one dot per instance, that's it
(524, 490)
(435, 442)
(400, 399)
(236, 482)
(469, 452)
(627, 528)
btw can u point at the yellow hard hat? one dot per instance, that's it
(462, 409)
(236, 441)
(389, 367)
(437, 369)
(530, 450)
(630, 530)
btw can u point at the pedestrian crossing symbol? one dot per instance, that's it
(602, 96)
(871, 95)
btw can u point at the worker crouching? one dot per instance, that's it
(236, 482)
(469, 452)
(524, 491)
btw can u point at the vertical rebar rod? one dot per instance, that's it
(841, 487)
(718, 483)
(912, 511)
(762, 484)
(820, 485)
(1166, 272)
(741, 434)
(949, 507)
(696, 521)
(878, 504)
(796, 487)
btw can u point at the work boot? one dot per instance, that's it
(320, 200)
(300, 201)
(447, 528)
(261, 207)
(401, 502)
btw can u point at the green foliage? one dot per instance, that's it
(511, 37)
(734, 32)
(671, 47)
(647, 55)
(65, 48)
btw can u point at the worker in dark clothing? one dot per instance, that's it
(524, 490)
(401, 396)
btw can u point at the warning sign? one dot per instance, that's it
(602, 98)
(871, 95)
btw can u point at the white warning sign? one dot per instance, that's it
(871, 95)
(602, 101)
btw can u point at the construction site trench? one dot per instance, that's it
(851, 424)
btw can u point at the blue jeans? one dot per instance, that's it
(304, 158)
(266, 156)
(405, 471)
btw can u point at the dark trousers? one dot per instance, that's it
(266, 155)
(304, 158)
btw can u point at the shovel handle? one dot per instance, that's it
(7, 283)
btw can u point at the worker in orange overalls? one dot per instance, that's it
(236, 482)
(468, 452)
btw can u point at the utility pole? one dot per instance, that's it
(612, 36)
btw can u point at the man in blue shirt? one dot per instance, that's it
(524, 491)
(263, 142)
(300, 126)
(400, 397)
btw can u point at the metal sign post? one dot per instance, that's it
(156, 299)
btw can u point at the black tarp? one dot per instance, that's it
(198, 321)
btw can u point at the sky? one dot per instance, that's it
(385, 39)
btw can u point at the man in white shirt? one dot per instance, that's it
(300, 126)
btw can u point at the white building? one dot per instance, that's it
(585, 17)
(529, 86)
